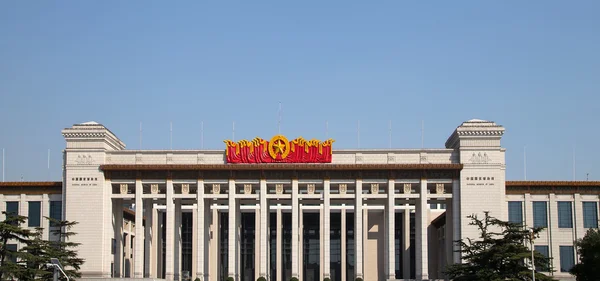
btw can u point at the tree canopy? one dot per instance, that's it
(30, 261)
(588, 269)
(499, 253)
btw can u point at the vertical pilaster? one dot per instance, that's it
(456, 216)
(215, 258)
(279, 245)
(200, 230)
(46, 213)
(406, 244)
(138, 258)
(326, 229)
(232, 243)
(343, 241)
(421, 251)
(295, 225)
(264, 212)
(390, 245)
(170, 234)
(118, 226)
(358, 230)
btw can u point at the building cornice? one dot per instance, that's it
(551, 183)
(229, 167)
(31, 184)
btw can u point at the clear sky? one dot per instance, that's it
(531, 66)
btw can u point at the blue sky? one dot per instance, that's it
(531, 66)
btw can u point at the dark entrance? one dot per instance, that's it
(311, 247)
(335, 244)
(247, 246)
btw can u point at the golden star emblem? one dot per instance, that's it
(279, 147)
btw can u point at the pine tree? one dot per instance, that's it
(500, 253)
(11, 231)
(588, 269)
(64, 250)
(35, 256)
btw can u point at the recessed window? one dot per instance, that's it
(565, 215)
(34, 216)
(590, 215)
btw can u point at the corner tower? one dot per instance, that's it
(483, 175)
(86, 200)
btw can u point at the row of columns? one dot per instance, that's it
(173, 239)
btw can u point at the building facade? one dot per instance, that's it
(281, 209)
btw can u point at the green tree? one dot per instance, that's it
(35, 257)
(63, 249)
(11, 231)
(588, 269)
(499, 253)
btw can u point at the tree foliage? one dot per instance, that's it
(30, 262)
(500, 253)
(588, 269)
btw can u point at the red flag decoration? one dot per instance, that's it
(279, 150)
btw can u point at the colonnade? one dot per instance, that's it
(399, 197)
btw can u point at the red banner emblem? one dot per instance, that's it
(279, 150)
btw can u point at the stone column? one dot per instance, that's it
(177, 251)
(232, 230)
(264, 212)
(170, 233)
(358, 230)
(118, 225)
(138, 257)
(343, 241)
(456, 217)
(391, 258)
(295, 226)
(406, 244)
(279, 245)
(422, 221)
(326, 229)
(148, 238)
(154, 257)
(200, 225)
(257, 248)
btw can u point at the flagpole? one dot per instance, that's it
(279, 121)
(171, 135)
(140, 135)
(202, 135)
(390, 133)
(358, 133)
(3, 164)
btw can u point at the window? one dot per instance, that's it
(113, 247)
(55, 211)
(432, 206)
(11, 250)
(565, 215)
(12, 208)
(567, 258)
(540, 214)
(590, 215)
(515, 212)
(544, 251)
(34, 216)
